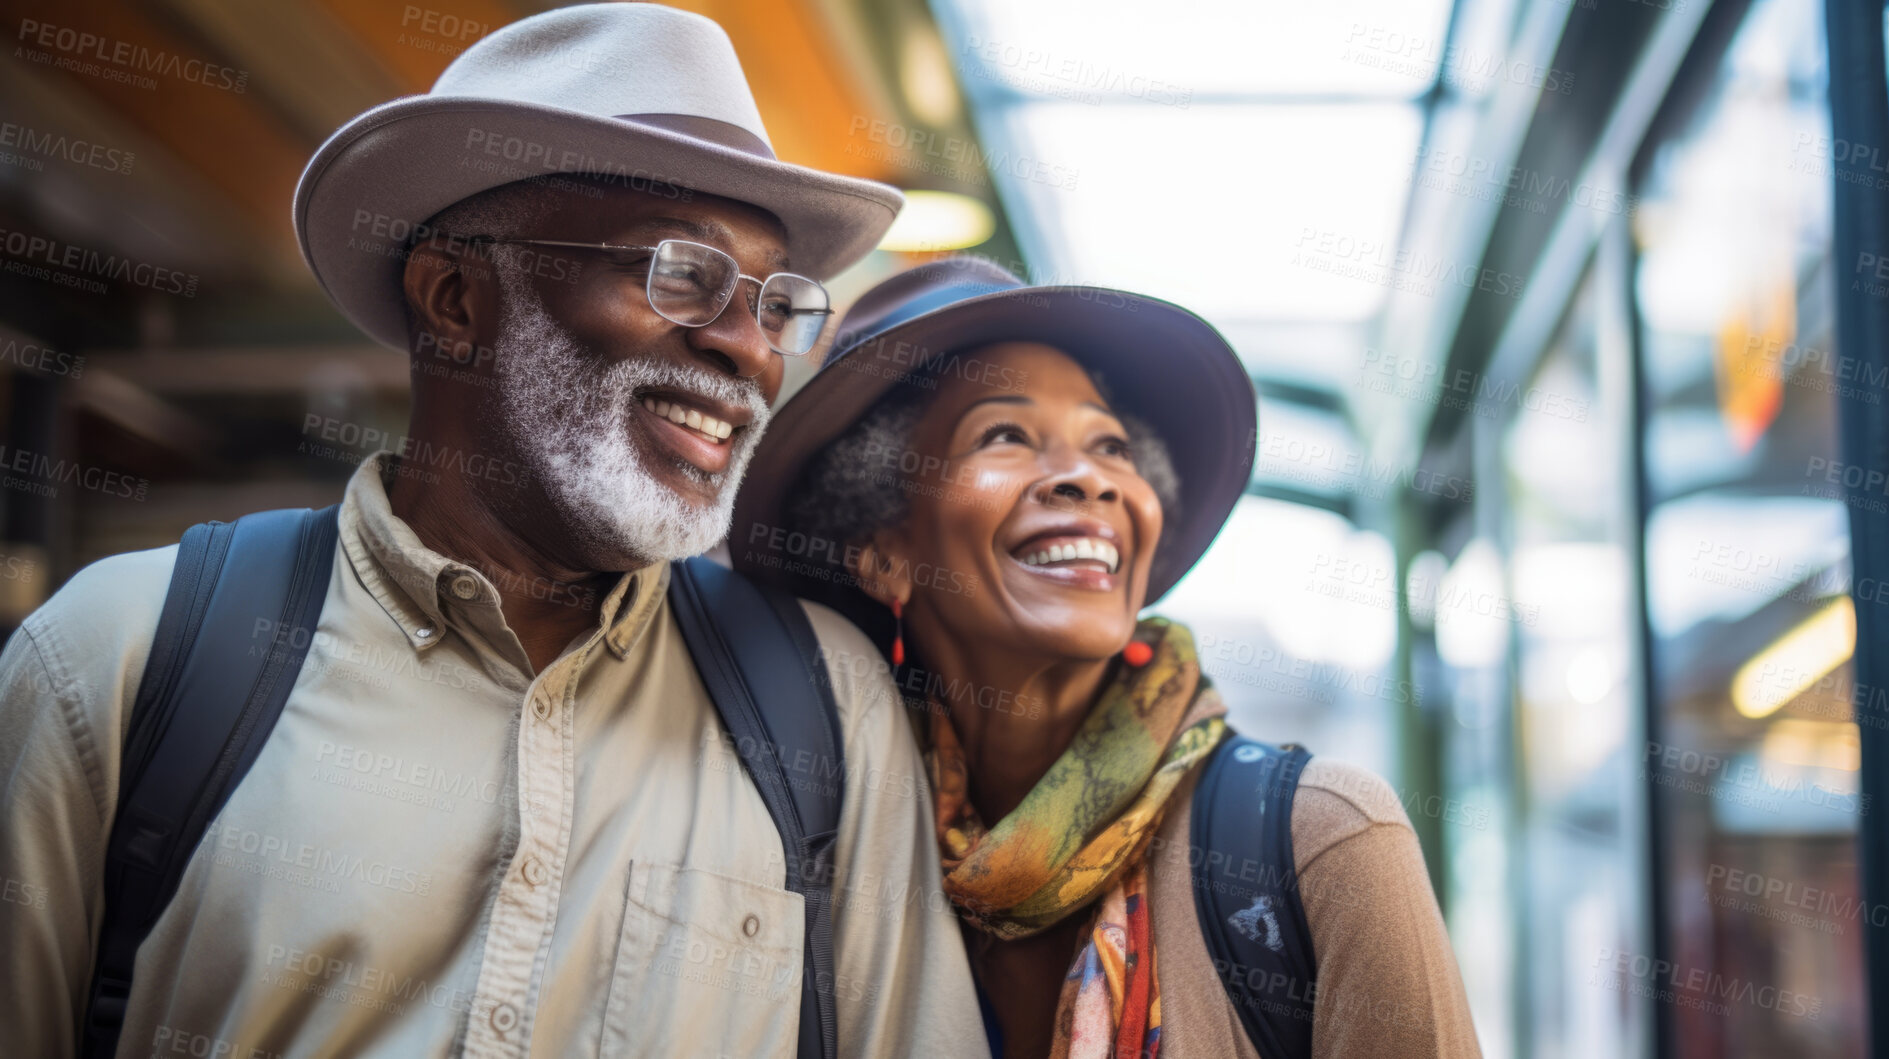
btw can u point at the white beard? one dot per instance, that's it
(564, 412)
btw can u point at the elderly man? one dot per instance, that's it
(499, 812)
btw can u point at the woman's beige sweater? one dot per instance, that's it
(1388, 985)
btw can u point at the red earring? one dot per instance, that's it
(1137, 653)
(898, 637)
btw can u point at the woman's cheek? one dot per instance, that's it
(1148, 521)
(994, 486)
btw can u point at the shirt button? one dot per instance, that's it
(542, 707)
(504, 1017)
(424, 632)
(465, 586)
(751, 925)
(534, 871)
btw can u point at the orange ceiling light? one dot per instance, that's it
(805, 86)
(414, 42)
(228, 139)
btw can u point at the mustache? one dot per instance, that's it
(579, 388)
(628, 378)
(619, 383)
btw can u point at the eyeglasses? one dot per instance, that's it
(690, 284)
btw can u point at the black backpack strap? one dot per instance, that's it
(241, 612)
(759, 659)
(1246, 891)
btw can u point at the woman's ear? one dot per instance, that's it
(881, 572)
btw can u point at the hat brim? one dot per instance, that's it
(393, 167)
(1158, 361)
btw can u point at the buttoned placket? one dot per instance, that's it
(526, 904)
(435, 600)
(524, 911)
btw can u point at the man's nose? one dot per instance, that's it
(733, 342)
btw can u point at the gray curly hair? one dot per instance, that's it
(844, 495)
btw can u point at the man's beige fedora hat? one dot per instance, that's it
(635, 92)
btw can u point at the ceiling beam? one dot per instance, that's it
(256, 370)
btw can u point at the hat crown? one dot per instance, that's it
(917, 291)
(642, 62)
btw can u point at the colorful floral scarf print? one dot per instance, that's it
(1080, 834)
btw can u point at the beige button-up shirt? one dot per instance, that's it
(440, 852)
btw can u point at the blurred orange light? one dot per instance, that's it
(1750, 373)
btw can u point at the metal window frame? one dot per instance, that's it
(1859, 114)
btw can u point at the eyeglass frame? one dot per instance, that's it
(648, 296)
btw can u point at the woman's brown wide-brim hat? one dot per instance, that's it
(641, 94)
(1158, 361)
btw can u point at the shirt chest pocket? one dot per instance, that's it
(706, 965)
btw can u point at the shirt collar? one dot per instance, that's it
(415, 584)
(632, 605)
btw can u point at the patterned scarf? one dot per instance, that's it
(1080, 833)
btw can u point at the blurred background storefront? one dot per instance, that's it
(1551, 521)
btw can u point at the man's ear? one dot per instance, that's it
(445, 301)
(881, 569)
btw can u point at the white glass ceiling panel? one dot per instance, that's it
(1177, 53)
(1238, 212)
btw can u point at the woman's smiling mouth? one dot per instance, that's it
(1083, 552)
(1075, 556)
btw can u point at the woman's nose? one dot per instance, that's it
(1075, 480)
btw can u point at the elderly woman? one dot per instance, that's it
(994, 480)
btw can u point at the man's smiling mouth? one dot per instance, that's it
(696, 430)
(689, 418)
